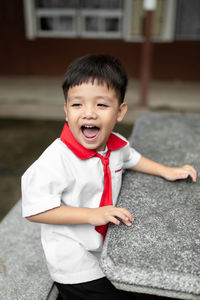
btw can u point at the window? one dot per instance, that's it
(96, 19)
(188, 20)
(101, 18)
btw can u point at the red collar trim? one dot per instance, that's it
(114, 143)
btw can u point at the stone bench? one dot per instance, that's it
(160, 253)
(23, 271)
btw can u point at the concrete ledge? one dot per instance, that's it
(160, 253)
(23, 272)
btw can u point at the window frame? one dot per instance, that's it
(57, 13)
(32, 14)
(101, 14)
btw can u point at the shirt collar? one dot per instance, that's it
(114, 143)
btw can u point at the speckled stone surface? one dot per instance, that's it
(23, 272)
(160, 253)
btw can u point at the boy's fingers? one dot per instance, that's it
(127, 213)
(114, 220)
(124, 215)
(190, 172)
(194, 178)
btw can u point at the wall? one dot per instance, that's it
(19, 56)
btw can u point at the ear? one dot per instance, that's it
(122, 111)
(65, 109)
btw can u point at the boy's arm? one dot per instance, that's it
(82, 215)
(148, 166)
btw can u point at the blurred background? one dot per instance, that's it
(158, 42)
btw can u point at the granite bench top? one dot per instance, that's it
(23, 271)
(160, 253)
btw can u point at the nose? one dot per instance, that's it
(89, 113)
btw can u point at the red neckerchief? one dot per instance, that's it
(114, 143)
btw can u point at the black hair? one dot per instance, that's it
(99, 67)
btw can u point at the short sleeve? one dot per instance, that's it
(43, 184)
(130, 157)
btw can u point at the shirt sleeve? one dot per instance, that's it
(130, 157)
(43, 184)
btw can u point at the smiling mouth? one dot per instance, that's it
(90, 132)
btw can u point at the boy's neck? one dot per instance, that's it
(103, 152)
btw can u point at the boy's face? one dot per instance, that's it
(91, 112)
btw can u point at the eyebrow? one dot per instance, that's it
(74, 98)
(103, 98)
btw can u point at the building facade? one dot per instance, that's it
(41, 37)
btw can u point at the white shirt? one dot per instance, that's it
(57, 178)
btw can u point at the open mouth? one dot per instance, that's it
(90, 132)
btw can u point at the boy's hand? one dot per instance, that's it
(151, 167)
(104, 215)
(180, 173)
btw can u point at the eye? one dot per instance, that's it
(76, 105)
(102, 105)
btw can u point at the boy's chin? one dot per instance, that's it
(94, 147)
(91, 147)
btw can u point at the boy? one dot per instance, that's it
(73, 187)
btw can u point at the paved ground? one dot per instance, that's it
(31, 117)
